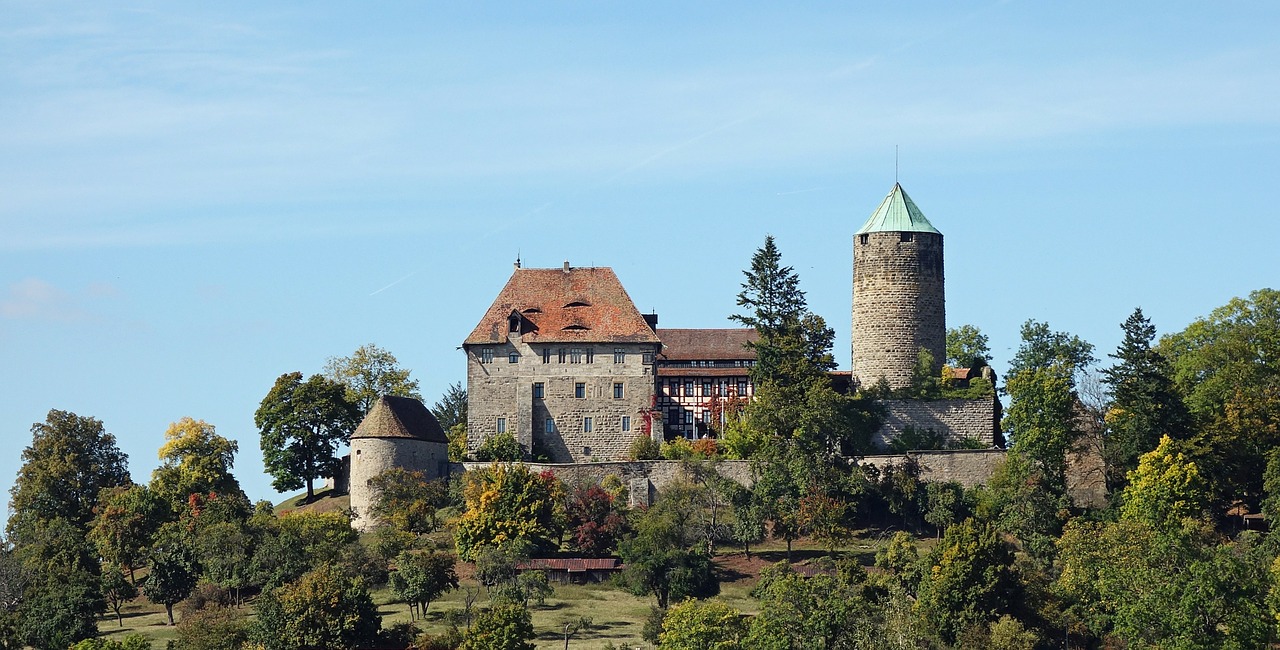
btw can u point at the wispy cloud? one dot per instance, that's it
(33, 299)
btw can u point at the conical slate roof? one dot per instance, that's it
(897, 213)
(400, 417)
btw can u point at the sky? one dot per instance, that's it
(196, 198)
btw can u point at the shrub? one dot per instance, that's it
(501, 447)
(645, 448)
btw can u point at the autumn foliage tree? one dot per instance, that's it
(595, 522)
(510, 503)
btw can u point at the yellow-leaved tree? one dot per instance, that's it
(509, 503)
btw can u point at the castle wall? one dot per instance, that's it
(646, 478)
(502, 389)
(957, 418)
(373, 456)
(899, 305)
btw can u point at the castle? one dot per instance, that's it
(564, 362)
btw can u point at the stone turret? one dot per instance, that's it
(398, 432)
(899, 303)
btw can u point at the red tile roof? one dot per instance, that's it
(572, 565)
(573, 305)
(707, 344)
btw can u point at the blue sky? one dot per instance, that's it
(196, 199)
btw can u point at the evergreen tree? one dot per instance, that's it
(1145, 404)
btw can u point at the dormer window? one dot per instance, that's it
(513, 324)
(576, 328)
(531, 310)
(578, 303)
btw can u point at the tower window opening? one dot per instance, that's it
(862, 239)
(906, 236)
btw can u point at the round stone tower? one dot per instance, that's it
(398, 432)
(898, 301)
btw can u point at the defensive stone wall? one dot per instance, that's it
(646, 478)
(899, 305)
(968, 467)
(956, 418)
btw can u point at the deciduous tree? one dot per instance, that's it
(323, 609)
(702, 625)
(506, 626)
(967, 347)
(302, 424)
(124, 521)
(420, 578)
(408, 501)
(71, 458)
(369, 373)
(195, 460)
(970, 580)
(510, 503)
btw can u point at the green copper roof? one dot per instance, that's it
(897, 213)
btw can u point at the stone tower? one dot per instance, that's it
(898, 300)
(398, 432)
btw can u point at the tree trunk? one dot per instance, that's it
(168, 609)
(788, 549)
(119, 618)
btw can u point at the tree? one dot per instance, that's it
(451, 409)
(1165, 490)
(369, 373)
(1042, 419)
(302, 424)
(70, 460)
(823, 517)
(702, 625)
(124, 521)
(60, 612)
(507, 503)
(505, 626)
(117, 590)
(408, 501)
(595, 522)
(213, 628)
(224, 551)
(1042, 347)
(969, 581)
(500, 447)
(195, 460)
(173, 574)
(1145, 403)
(420, 578)
(323, 609)
(659, 560)
(967, 347)
(1227, 365)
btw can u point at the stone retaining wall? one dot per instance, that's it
(957, 418)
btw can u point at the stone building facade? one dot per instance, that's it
(974, 419)
(564, 361)
(398, 432)
(899, 299)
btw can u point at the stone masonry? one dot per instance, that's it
(504, 390)
(898, 305)
(978, 419)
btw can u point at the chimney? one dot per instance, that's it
(566, 266)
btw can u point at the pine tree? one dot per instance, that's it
(1145, 404)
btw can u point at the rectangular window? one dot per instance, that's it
(742, 388)
(561, 352)
(626, 423)
(537, 390)
(673, 387)
(617, 390)
(575, 355)
(688, 388)
(688, 417)
(549, 425)
(502, 425)
(862, 239)
(579, 390)
(486, 355)
(546, 355)
(586, 424)
(673, 416)
(646, 357)
(619, 355)
(514, 357)
(706, 388)
(591, 355)
(906, 236)
(706, 416)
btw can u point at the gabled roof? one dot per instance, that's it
(400, 417)
(707, 344)
(897, 213)
(569, 305)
